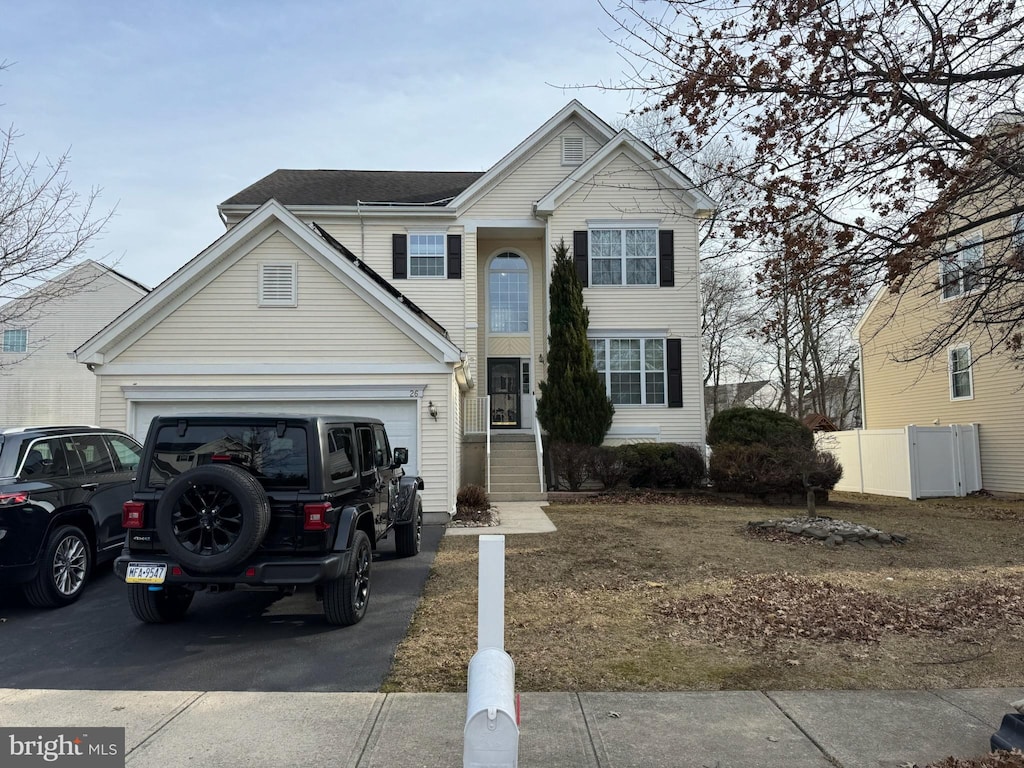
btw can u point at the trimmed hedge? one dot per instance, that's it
(642, 465)
(762, 470)
(758, 426)
(663, 465)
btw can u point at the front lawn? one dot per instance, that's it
(631, 596)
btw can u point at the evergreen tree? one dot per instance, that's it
(573, 406)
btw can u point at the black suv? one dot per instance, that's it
(61, 495)
(273, 501)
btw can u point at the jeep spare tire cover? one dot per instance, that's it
(212, 517)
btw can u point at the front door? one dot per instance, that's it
(505, 388)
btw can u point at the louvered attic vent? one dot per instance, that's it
(277, 285)
(572, 150)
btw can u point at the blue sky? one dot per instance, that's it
(171, 107)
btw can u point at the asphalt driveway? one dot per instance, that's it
(238, 641)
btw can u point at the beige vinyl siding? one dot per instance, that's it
(449, 302)
(897, 394)
(435, 442)
(673, 311)
(516, 192)
(47, 387)
(223, 321)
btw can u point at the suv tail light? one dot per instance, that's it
(315, 518)
(19, 497)
(131, 514)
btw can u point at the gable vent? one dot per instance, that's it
(277, 285)
(572, 150)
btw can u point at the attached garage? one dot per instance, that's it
(398, 415)
(339, 341)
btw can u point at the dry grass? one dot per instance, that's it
(630, 596)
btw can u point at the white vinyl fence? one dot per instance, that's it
(915, 462)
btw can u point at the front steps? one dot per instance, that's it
(514, 468)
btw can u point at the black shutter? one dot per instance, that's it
(666, 257)
(579, 252)
(455, 257)
(674, 360)
(399, 257)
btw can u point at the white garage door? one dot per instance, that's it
(399, 417)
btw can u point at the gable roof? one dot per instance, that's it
(573, 110)
(333, 188)
(624, 141)
(41, 293)
(204, 268)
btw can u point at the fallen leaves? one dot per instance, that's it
(770, 607)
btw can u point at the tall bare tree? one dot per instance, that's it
(866, 123)
(45, 228)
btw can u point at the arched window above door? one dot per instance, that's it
(508, 294)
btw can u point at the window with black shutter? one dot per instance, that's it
(399, 257)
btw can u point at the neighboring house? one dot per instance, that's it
(39, 382)
(416, 296)
(757, 393)
(964, 383)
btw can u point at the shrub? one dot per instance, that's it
(761, 470)
(472, 498)
(663, 465)
(750, 426)
(607, 466)
(570, 462)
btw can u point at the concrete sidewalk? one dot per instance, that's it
(728, 729)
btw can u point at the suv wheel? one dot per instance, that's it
(159, 606)
(63, 569)
(409, 535)
(346, 598)
(212, 517)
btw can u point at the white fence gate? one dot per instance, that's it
(915, 462)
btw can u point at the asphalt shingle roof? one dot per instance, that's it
(325, 187)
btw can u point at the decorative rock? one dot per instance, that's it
(832, 532)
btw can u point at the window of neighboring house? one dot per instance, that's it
(960, 268)
(633, 369)
(426, 255)
(961, 378)
(1017, 236)
(624, 256)
(16, 340)
(508, 294)
(278, 285)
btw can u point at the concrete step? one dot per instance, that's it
(514, 477)
(517, 496)
(516, 467)
(514, 450)
(533, 487)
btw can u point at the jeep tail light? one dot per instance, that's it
(19, 497)
(131, 514)
(316, 517)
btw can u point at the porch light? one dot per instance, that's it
(432, 410)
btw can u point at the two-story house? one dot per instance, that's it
(422, 298)
(39, 383)
(967, 376)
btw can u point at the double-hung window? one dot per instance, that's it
(633, 369)
(15, 340)
(961, 380)
(960, 267)
(426, 255)
(624, 256)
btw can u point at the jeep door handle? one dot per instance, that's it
(90, 486)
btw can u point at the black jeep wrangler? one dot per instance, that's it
(262, 501)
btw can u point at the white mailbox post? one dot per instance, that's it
(491, 735)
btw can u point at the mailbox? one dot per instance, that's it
(491, 733)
